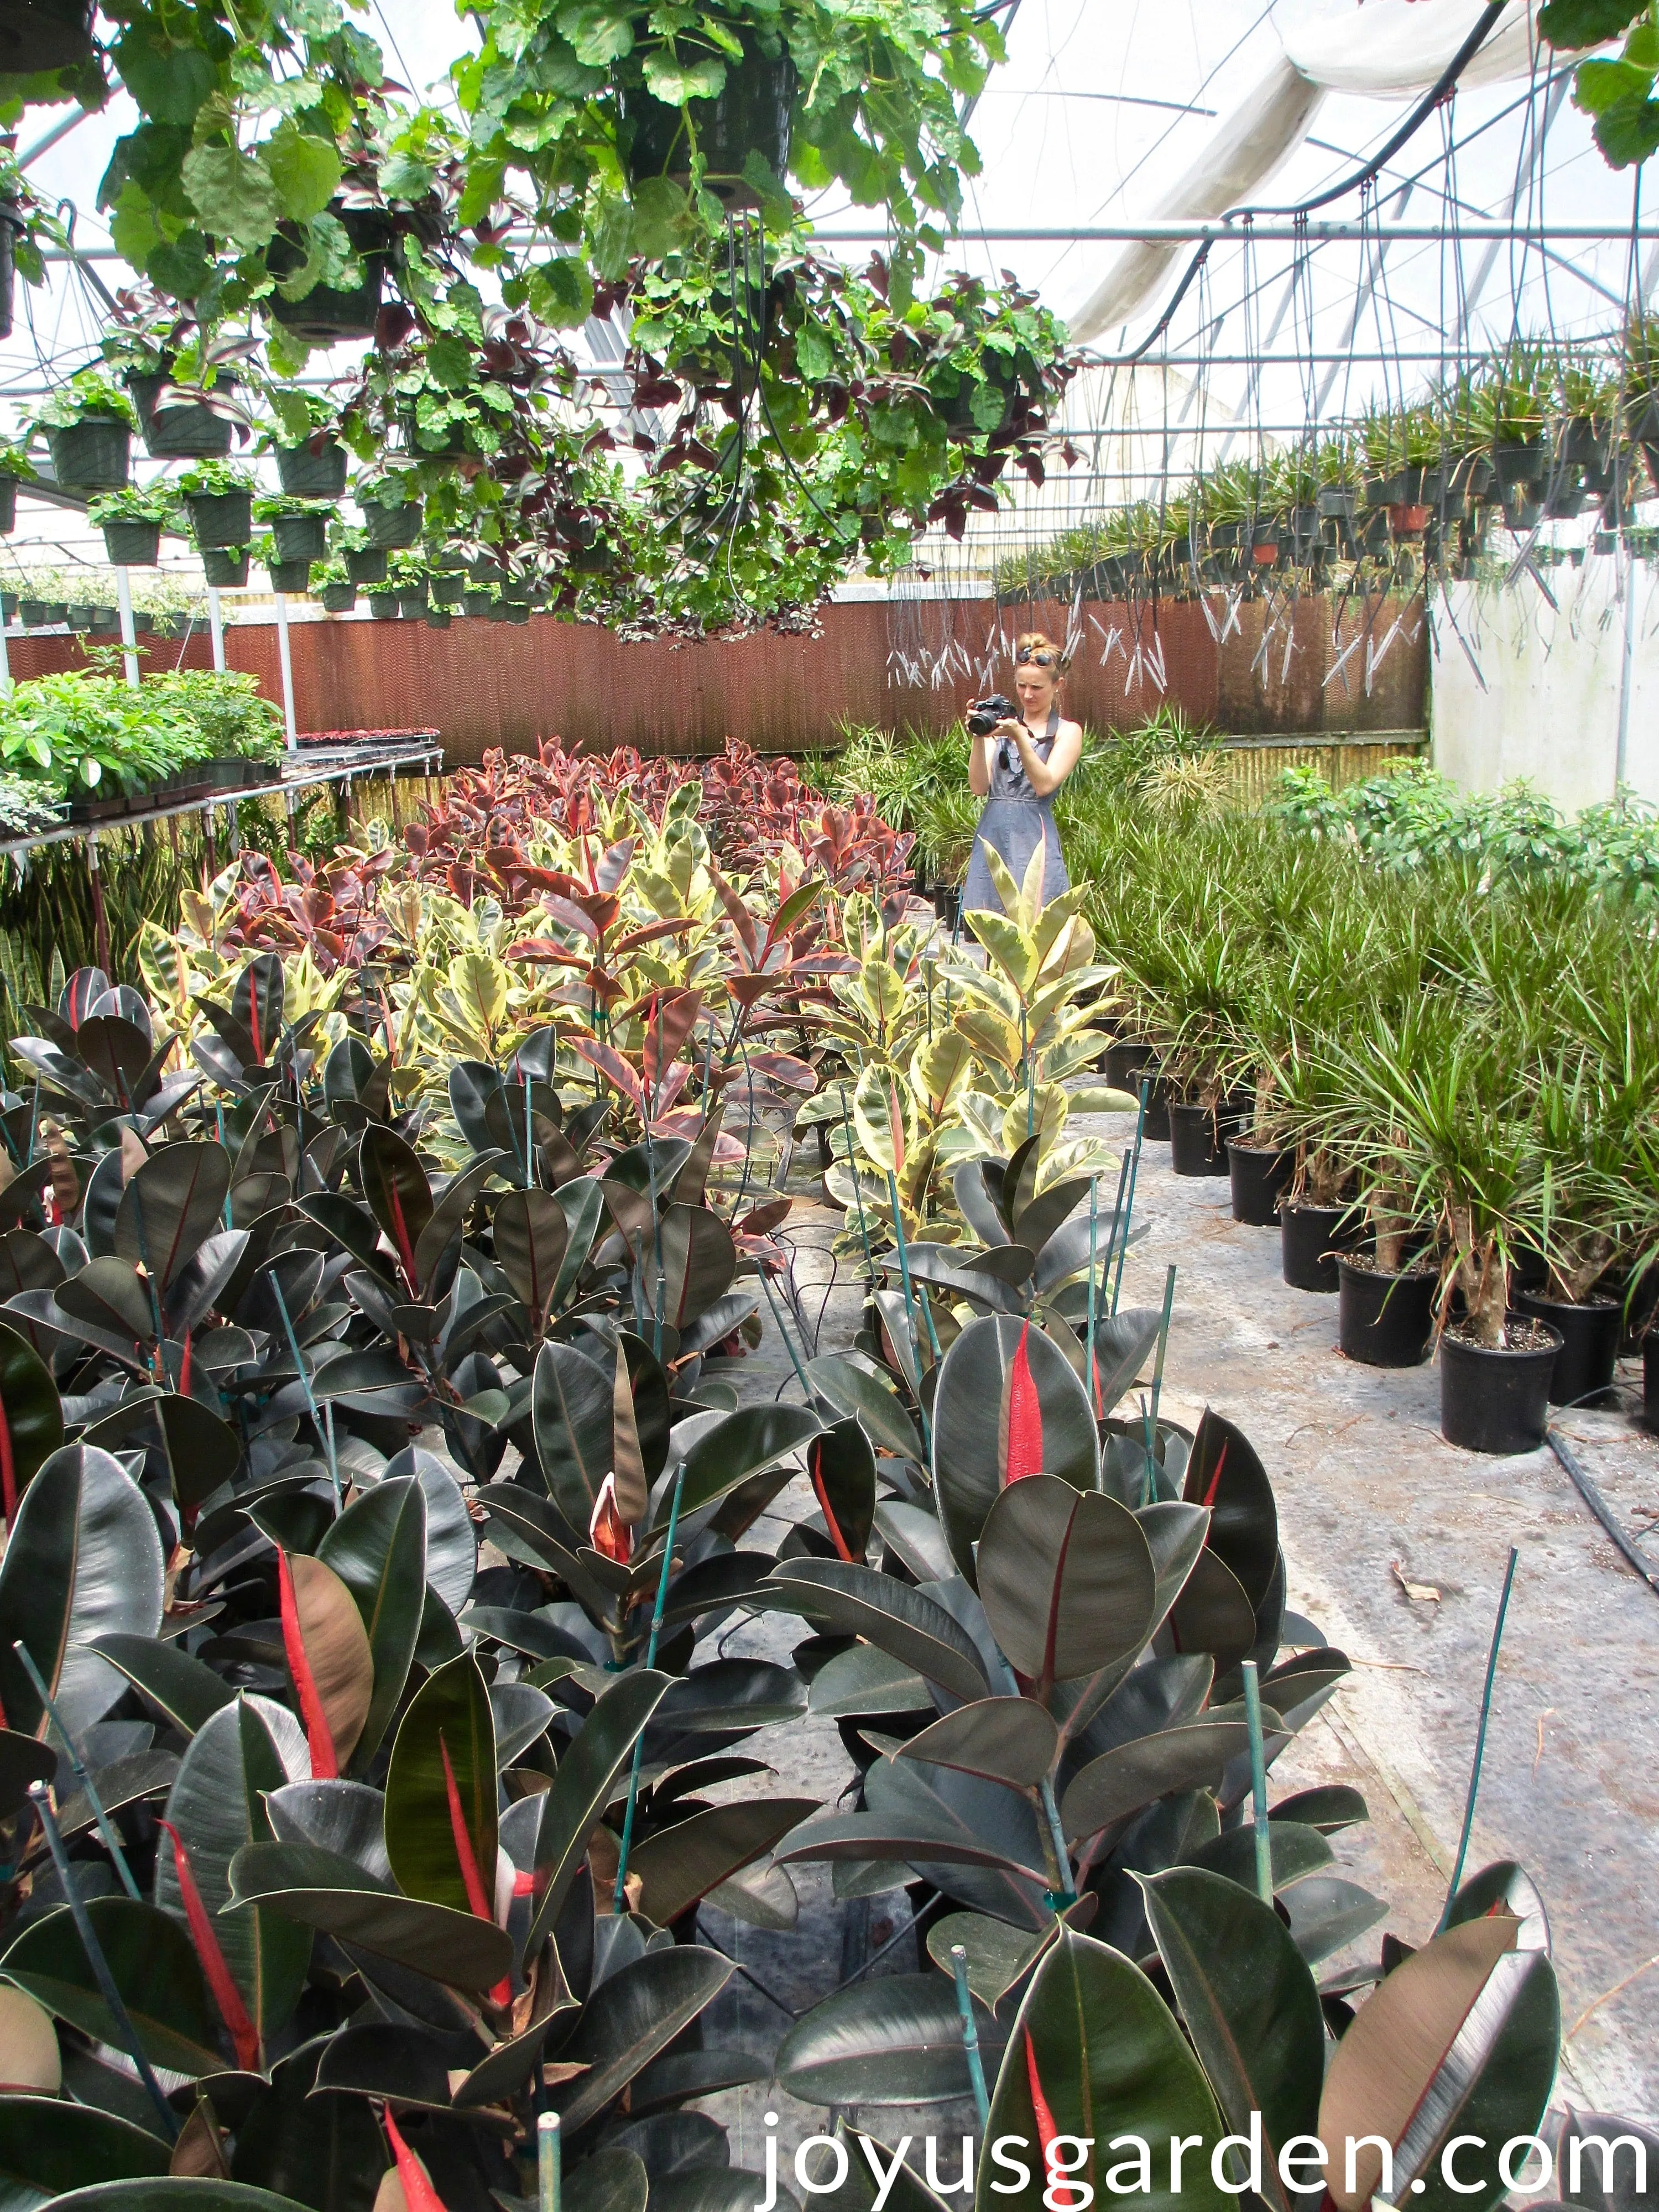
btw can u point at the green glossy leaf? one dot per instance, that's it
(1010, 1740)
(30, 1409)
(305, 171)
(328, 2152)
(587, 1777)
(84, 1560)
(1120, 1781)
(904, 1622)
(970, 1424)
(893, 2040)
(47, 2147)
(217, 1804)
(184, 1691)
(1111, 2063)
(1327, 1914)
(1297, 1851)
(744, 1443)
(680, 1865)
(154, 1969)
(23, 1759)
(1225, 1474)
(572, 1408)
(1067, 1580)
(532, 1235)
(1250, 2005)
(849, 1389)
(323, 1889)
(613, 2179)
(631, 2016)
(841, 1467)
(378, 1548)
(171, 1206)
(865, 1680)
(998, 1955)
(174, 2196)
(449, 1716)
(399, 1197)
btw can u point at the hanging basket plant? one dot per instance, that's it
(219, 501)
(747, 121)
(225, 567)
(299, 527)
(314, 308)
(15, 468)
(88, 425)
(132, 520)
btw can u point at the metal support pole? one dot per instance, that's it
(128, 635)
(1626, 668)
(216, 629)
(5, 661)
(287, 660)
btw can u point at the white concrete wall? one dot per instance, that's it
(1549, 710)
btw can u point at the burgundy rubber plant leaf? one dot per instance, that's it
(814, 1461)
(324, 1766)
(419, 2195)
(1023, 1451)
(244, 2036)
(476, 1897)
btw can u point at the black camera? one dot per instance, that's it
(984, 714)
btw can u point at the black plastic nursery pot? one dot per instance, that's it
(94, 454)
(1590, 1344)
(304, 474)
(132, 544)
(383, 606)
(1198, 1139)
(1496, 1400)
(1261, 1175)
(301, 537)
(1650, 1378)
(448, 591)
(220, 518)
(79, 615)
(327, 313)
(189, 431)
(366, 564)
(438, 618)
(225, 567)
(44, 34)
(1309, 1238)
(292, 577)
(41, 614)
(751, 113)
(476, 603)
(413, 604)
(8, 506)
(1384, 1320)
(338, 598)
(393, 526)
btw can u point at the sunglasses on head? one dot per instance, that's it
(1033, 657)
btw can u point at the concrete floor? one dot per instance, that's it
(1369, 1493)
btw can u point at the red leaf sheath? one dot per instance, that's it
(183, 1368)
(419, 2195)
(1047, 2130)
(1024, 1454)
(324, 1766)
(405, 1249)
(477, 1897)
(7, 1468)
(1215, 1480)
(243, 2033)
(822, 1495)
(253, 1023)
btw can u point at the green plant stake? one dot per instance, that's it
(1481, 1737)
(325, 1430)
(40, 1799)
(1263, 1834)
(789, 1345)
(971, 2034)
(621, 1896)
(1094, 1362)
(909, 1301)
(549, 2175)
(78, 1767)
(857, 1193)
(1129, 1203)
(1163, 1340)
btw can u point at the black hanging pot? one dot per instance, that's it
(220, 518)
(437, 617)
(132, 544)
(79, 615)
(752, 113)
(1198, 1139)
(327, 315)
(515, 610)
(94, 454)
(1584, 441)
(1261, 1175)
(289, 576)
(448, 591)
(8, 506)
(366, 564)
(308, 474)
(1497, 1399)
(300, 536)
(392, 526)
(1309, 1237)
(188, 431)
(1590, 1344)
(1384, 1320)
(1650, 1378)
(36, 35)
(225, 567)
(476, 603)
(383, 606)
(338, 598)
(1518, 461)
(413, 603)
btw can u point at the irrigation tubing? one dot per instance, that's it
(1603, 1512)
(1356, 182)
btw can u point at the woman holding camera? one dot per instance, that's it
(1017, 767)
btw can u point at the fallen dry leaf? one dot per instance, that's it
(1419, 1593)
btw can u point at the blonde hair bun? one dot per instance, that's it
(1031, 643)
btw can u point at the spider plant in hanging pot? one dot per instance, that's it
(87, 424)
(132, 520)
(1520, 384)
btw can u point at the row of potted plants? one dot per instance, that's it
(96, 746)
(1535, 431)
(1434, 1076)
